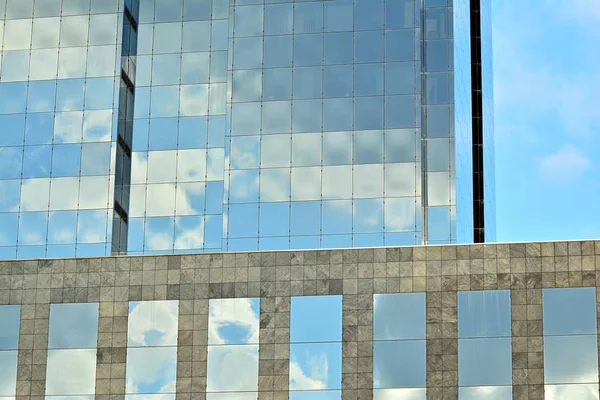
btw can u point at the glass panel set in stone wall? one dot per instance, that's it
(399, 346)
(152, 350)
(484, 345)
(10, 317)
(570, 343)
(233, 337)
(72, 344)
(316, 348)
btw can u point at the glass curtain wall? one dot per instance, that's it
(323, 147)
(58, 82)
(179, 127)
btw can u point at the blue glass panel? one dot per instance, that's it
(243, 220)
(39, 128)
(483, 362)
(399, 316)
(484, 314)
(559, 315)
(339, 48)
(305, 218)
(368, 14)
(399, 364)
(73, 326)
(274, 219)
(316, 319)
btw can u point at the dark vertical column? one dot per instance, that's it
(477, 122)
(125, 127)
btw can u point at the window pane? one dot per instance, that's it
(559, 318)
(571, 359)
(316, 319)
(399, 316)
(152, 323)
(484, 362)
(484, 314)
(73, 326)
(399, 364)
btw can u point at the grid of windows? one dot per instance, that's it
(179, 127)
(256, 125)
(323, 146)
(59, 64)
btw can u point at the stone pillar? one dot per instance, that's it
(527, 343)
(357, 347)
(442, 320)
(192, 349)
(113, 279)
(274, 355)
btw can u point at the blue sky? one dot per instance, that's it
(547, 118)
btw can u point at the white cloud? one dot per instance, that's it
(159, 318)
(71, 372)
(315, 378)
(232, 312)
(232, 368)
(151, 369)
(395, 394)
(579, 392)
(567, 163)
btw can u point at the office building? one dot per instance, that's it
(493, 321)
(174, 126)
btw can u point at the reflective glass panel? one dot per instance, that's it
(399, 316)
(152, 323)
(233, 333)
(9, 327)
(315, 366)
(579, 392)
(569, 311)
(71, 372)
(484, 362)
(316, 319)
(486, 392)
(73, 326)
(233, 321)
(399, 364)
(484, 313)
(571, 359)
(152, 351)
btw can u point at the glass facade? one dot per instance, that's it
(170, 126)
